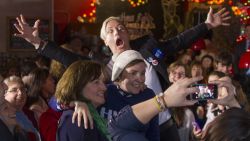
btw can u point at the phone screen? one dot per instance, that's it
(206, 91)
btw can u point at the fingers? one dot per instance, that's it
(85, 120)
(226, 18)
(74, 117)
(18, 28)
(226, 78)
(36, 25)
(189, 81)
(19, 23)
(210, 10)
(216, 101)
(79, 119)
(219, 13)
(225, 14)
(23, 19)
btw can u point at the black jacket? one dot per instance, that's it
(146, 45)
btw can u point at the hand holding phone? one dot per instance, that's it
(196, 130)
(196, 126)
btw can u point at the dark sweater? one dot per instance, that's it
(118, 99)
(71, 132)
(6, 135)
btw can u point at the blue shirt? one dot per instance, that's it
(116, 99)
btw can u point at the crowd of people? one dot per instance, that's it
(136, 96)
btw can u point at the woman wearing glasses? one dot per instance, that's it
(16, 96)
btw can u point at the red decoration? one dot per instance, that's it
(198, 45)
(244, 62)
(241, 38)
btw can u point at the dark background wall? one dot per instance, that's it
(116, 8)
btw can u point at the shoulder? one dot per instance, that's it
(65, 117)
(65, 124)
(112, 92)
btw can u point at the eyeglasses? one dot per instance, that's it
(181, 74)
(15, 90)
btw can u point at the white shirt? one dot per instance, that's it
(153, 83)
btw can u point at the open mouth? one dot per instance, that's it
(119, 42)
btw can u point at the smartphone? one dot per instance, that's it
(206, 91)
(196, 125)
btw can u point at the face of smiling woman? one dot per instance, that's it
(133, 78)
(94, 91)
(7, 112)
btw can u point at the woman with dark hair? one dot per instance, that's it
(207, 63)
(232, 125)
(75, 85)
(41, 87)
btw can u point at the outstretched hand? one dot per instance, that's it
(175, 95)
(27, 32)
(217, 19)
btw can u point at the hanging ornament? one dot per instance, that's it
(244, 62)
(241, 38)
(198, 45)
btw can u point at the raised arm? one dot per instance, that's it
(185, 39)
(46, 48)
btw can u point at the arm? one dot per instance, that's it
(133, 119)
(48, 49)
(52, 51)
(173, 99)
(185, 39)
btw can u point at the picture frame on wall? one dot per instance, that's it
(19, 44)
